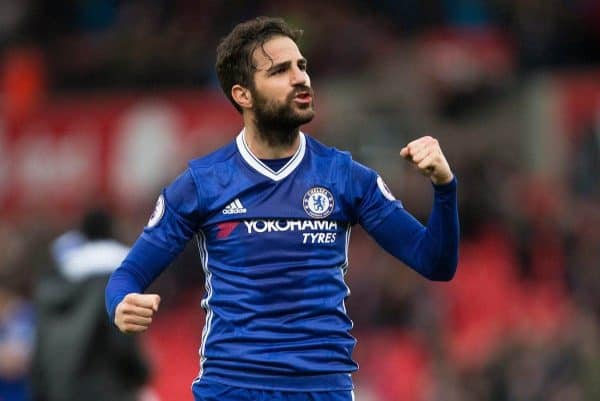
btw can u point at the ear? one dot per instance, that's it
(242, 96)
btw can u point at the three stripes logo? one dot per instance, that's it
(235, 207)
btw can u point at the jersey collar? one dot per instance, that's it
(262, 168)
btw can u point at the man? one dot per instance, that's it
(78, 355)
(272, 213)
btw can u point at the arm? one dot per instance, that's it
(128, 308)
(174, 221)
(430, 250)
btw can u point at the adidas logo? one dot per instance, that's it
(235, 207)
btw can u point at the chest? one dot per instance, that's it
(291, 220)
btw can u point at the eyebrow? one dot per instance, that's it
(285, 64)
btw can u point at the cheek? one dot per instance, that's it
(273, 90)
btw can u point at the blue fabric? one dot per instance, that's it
(432, 250)
(274, 249)
(17, 330)
(144, 263)
(208, 391)
(276, 164)
(14, 389)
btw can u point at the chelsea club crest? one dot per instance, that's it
(318, 202)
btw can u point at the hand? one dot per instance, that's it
(425, 153)
(134, 313)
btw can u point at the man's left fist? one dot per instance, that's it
(425, 153)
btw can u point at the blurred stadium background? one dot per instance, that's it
(103, 101)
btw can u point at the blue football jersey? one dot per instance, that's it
(274, 249)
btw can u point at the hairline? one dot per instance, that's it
(261, 45)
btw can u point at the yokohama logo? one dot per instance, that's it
(261, 226)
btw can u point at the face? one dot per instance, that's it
(282, 96)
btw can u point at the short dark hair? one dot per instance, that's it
(97, 224)
(234, 54)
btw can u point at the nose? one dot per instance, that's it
(298, 76)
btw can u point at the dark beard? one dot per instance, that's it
(279, 124)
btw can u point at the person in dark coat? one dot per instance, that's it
(78, 355)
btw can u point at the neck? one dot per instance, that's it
(263, 146)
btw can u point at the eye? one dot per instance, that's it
(278, 71)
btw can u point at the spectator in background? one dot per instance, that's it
(16, 341)
(62, 246)
(16, 318)
(78, 356)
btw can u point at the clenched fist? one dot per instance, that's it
(134, 313)
(425, 153)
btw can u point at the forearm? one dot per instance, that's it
(142, 265)
(431, 250)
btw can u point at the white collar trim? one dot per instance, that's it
(262, 168)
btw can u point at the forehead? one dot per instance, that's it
(278, 49)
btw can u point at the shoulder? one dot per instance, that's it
(204, 178)
(93, 258)
(319, 149)
(341, 158)
(212, 170)
(221, 155)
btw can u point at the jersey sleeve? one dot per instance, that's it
(176, 218)
(430, 250)
(372, 199)
(177, 215)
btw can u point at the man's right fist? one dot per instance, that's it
(134, 312)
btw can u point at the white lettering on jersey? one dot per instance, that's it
(235, 207)
(261, 226)
(326, 230)
(318, 238)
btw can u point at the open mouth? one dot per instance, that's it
(303, 97)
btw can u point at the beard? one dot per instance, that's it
(279, 123)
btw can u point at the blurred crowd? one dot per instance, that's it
(156, 43)
(521, 319)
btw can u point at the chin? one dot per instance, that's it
(305, 118)
(306, 113)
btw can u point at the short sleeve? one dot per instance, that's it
(177, 215)
(372, 198)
